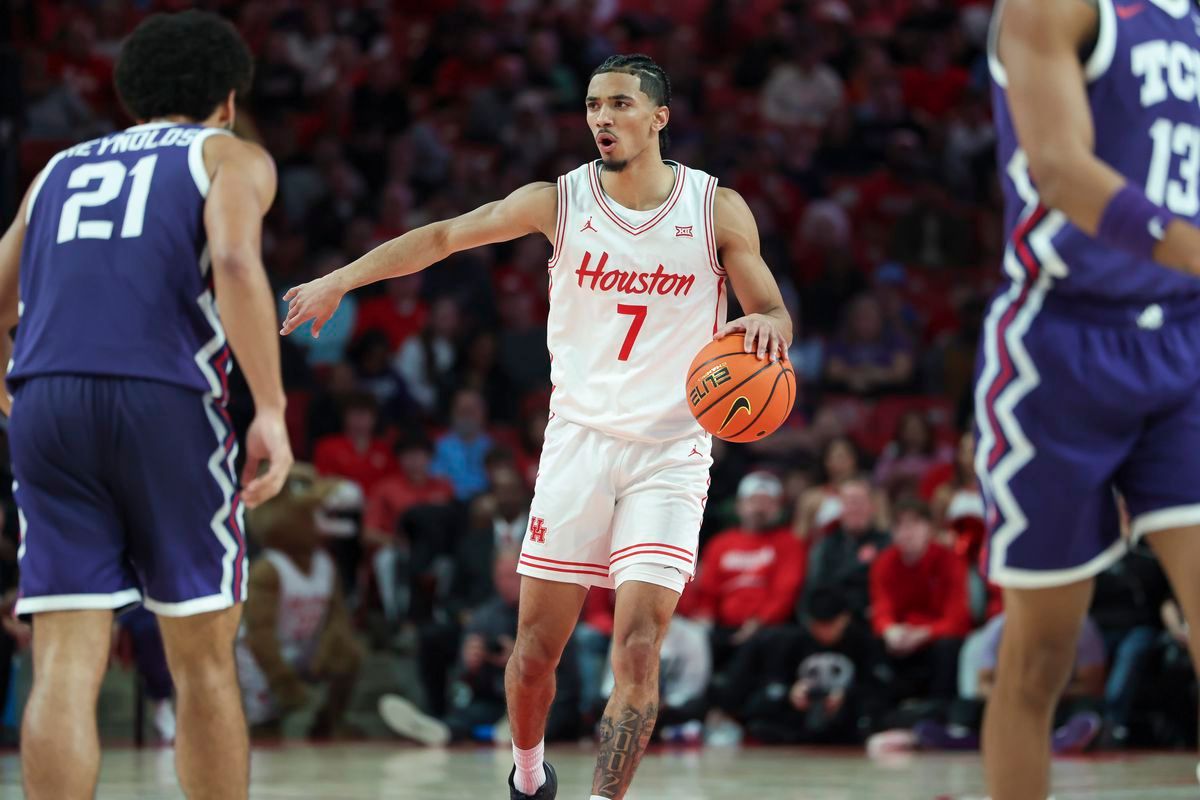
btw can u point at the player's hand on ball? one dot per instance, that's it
(315, 300)
(762, 333)
(266, 441)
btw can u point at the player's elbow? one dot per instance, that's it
(236, 263)
(1052, 167)
(441, 240)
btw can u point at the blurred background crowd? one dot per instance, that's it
(839, 590)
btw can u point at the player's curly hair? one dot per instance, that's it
(653, 78)
(181, 64)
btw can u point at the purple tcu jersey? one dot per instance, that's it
(1144, 90)
(115, 277)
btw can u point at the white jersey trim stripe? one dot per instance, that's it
(37, 185)
(602, 201)
(717, 310)
(710, 227)
(77, 602)
(1098, 62)
(187, 608)
(561, 224)
(1106, 42)
(220, 466)
(196, 158)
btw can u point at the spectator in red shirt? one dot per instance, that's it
(749, 576)
(398, 312)
(411, 485)
(356, 454)
(919, 605)
(934, 87)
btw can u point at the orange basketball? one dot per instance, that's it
(736, 397)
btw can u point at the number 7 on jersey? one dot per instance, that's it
(635, 326)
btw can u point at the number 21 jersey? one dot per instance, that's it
(634, 295)
(115, 276)
(1143, 86)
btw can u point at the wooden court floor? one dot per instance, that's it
(370, 771)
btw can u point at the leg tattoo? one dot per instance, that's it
(623, 740)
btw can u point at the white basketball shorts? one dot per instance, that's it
(606, 510)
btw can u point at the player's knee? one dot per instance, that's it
(533, 658)
(203, 668)
(635, 655)
(1038, 673)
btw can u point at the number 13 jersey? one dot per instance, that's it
(634, 295)
(1143, 87)
(115, 276)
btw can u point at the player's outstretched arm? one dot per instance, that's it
(767, 324)
(1039, 46)
(243, 187)
(530, 209)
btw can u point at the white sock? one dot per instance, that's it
(530, 774)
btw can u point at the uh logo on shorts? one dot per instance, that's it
(537, 530)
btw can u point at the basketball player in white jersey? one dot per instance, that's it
(642, 251)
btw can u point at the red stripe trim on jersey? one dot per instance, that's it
(565, 563)
(525, 563)
(602, 201)
(717, 310)
(710, 227)
(1020, 238)
(1003, 378)
(652, 544)
(236, 588)
(651, 553)
(561, 228)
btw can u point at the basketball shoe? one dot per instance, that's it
(548, 790)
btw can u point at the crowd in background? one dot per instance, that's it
(840, 572)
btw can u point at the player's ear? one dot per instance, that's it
(662, 115)
(228, 110)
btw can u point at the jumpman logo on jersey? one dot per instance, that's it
(588, 226)
(694, 452)
(537, 530)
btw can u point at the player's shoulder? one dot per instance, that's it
(731, 212)
(1039, 21)
(539, 198)
(228, 148)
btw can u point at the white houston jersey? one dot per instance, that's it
(634, 295)
(304, 602)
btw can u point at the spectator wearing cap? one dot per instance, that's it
(843, 557)
(919, 605)
(823, 682)
(356, 453)
(750, 576)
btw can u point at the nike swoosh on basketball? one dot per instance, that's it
(741, 404)
(1130, 11)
